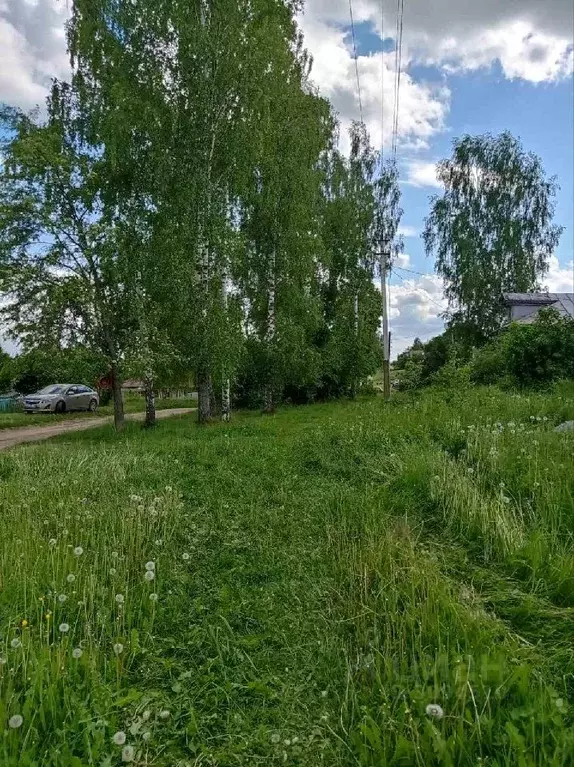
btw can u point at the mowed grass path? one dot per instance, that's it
(318, 579)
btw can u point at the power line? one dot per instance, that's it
(356, 59)
(398, 72)
(412, 271)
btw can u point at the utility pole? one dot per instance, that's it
(385, 259)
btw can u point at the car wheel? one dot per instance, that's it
(60, 407)
(93, 406)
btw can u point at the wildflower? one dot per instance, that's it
(118, 648)
(185, 557)
(146, 735)
(149, 575)
(71, 578)
(470, 470)
(150, 565)
(164, 714)
(115, 554)
(135, 498)
(559, 703)
(15, 721)
(120, 599)
(146, 716)
(505, 499)
(113, 571)
(77, 653)
(168, 488)
(140, 508)
(52, 542)
(15, 643)
(158, 542)
(128, 754)
(64, 628)
(48, 615)
(434, 710)
(24, 623)
(545, 418)
(3, 660)
(119, 738)
(78, 551)
(153, 597)
(62, 598)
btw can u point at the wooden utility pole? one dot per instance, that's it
(385, 258)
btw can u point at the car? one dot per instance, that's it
(62, 398)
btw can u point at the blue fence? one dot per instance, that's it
(7, 404)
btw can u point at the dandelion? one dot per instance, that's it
(150, 565)
(78, 551)
(120, 599)
(146, 716)
(3, 660)
(146, 735)
(158, 542)
(505, 499)
(118, 648)
(52, 542)
(149, 575)
(168, 488)
(135, 498)
(119, 738)
(77, 653)
(140, 508)
(185, 557)
(15, 643)
(434, 710)
(113, 571)
(128, 754)
(62, 598)
(559, 703)
(63, 628)
(71, 578)
(153, 597)
(15, 721)
(115, 555)
(24, 623)
(164, 714)
(470, 470)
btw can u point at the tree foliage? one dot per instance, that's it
(491, 229)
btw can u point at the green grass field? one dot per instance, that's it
(132, 404)
(342, 584)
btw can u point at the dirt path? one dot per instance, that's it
(12, 437)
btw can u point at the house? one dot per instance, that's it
(524, 307)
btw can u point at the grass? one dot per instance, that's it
(132, 404)
(322, 576)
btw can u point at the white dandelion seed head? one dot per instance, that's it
(113, 571)
(114, 554)
(153, 597)
(168, 488)
(52, 542)
(71, 578)
(146, 716)
(78, 551)
(77, 652)
(164, 714)
(135, 498)
(63, 628)
(434, 710)
(505, 499)
(185, 557)
(159, 542)
(128, 754)
(118, 648)
(150, 565)
(120, 599)
(146, 735)
(470, 470)
(149, 575)
(275, 738)
(15, 721)
(15, 643)
(119, 738)
(140, 508)
(62, 598)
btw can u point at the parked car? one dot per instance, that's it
(62, 398)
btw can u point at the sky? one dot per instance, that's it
(467, 67)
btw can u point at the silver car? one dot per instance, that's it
(62, 398)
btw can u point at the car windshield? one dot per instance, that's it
(51, 390)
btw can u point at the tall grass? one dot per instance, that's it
(347, 584)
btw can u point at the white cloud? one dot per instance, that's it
(560, 278)
(531, 39)
(408, 231)
(32, 49)
(422, 173)
(416, 306)
(423, 106)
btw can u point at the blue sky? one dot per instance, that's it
(468, 67)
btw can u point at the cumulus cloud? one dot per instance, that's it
(416, 307)
(32, 49)
(408, 231)
(421, 173)
(423, 106)
(560, 278)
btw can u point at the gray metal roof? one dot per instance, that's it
(562, 302)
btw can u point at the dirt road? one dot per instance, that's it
(12, 437)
